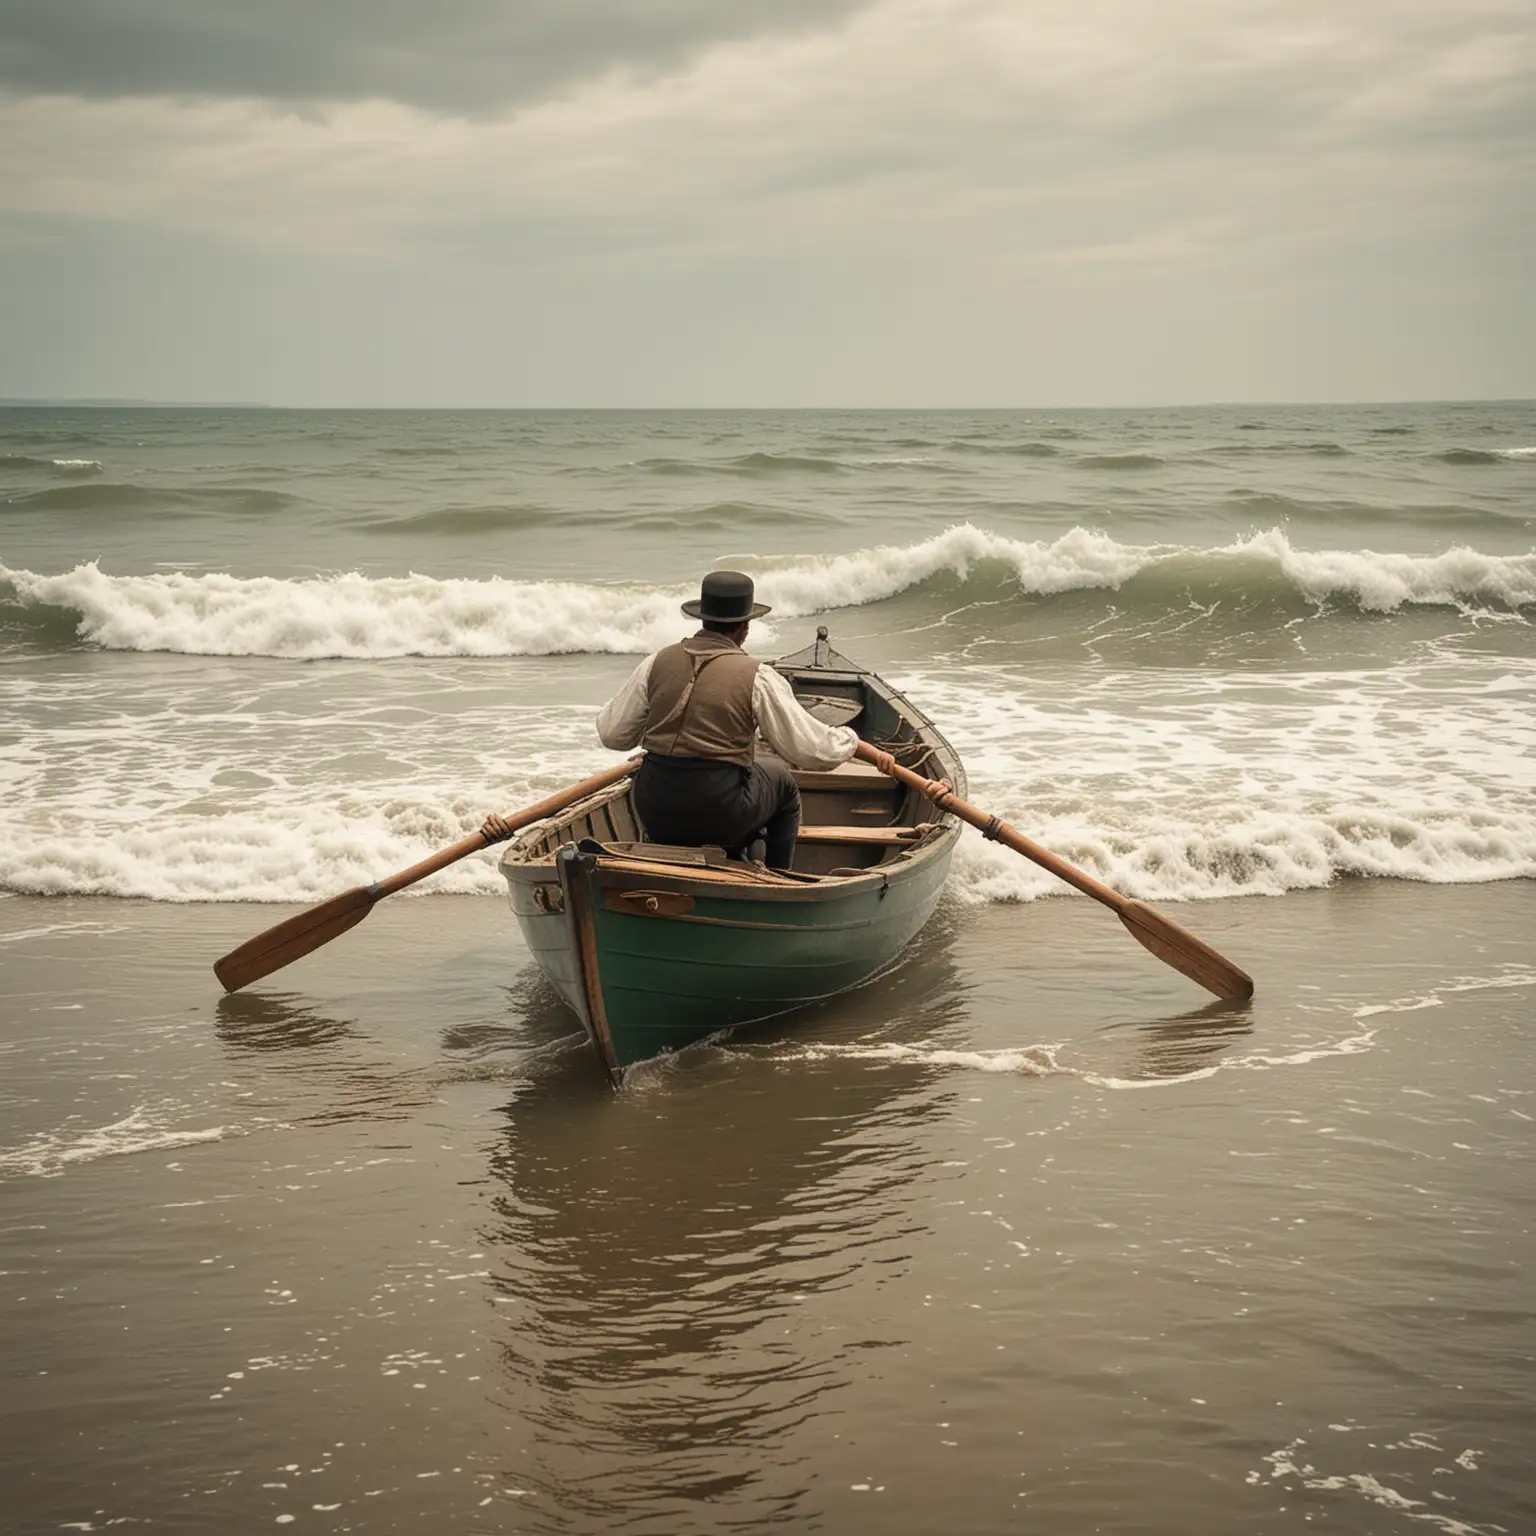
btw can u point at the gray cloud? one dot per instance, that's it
(903, 201)
(450, 55)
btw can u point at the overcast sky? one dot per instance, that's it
(767, 202)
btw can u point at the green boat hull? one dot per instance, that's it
(660, 983)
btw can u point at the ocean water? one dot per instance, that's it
(1023, 1234)
(1203, 653)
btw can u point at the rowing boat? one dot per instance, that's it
(655, 947)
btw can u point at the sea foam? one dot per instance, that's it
(64, 467)
(1265, 851)
(143, 1130)
(304, 853)
(350, 615)
(1163, 796)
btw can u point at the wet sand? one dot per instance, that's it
(1021, 1236)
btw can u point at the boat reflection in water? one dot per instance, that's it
(685, 1269)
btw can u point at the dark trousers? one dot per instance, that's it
(695, 800)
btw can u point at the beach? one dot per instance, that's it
(992, 1245)
(1026, 1234)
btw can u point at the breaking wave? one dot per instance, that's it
(366, 617)
(65, 468)
(1266, 851)
(1278, 792)
(311, 845)
(1475, 456)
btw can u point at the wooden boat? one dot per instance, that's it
(656, 947)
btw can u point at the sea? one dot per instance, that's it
(1028, 1234)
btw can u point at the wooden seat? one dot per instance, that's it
(885, 836)
(850, 778)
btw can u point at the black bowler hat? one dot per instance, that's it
(725, 597)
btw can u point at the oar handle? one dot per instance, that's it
(525, 817)
(996, 828)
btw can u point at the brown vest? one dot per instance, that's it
(699, 701)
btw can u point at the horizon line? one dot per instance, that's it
(106, 402)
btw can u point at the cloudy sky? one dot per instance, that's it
(767, 202)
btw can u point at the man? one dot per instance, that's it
(697, 708)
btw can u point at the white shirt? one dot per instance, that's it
(797, 736)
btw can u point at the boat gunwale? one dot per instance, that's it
(616, 872)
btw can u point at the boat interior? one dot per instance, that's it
(853, 817)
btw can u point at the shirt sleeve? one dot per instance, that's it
(621, 721)
(795, 734)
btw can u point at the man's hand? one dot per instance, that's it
(883, 761)
(936, 789)
(494, 829)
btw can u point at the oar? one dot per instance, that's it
(1165, 938)
(287, 941)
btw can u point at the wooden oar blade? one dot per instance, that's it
(1179, 948)
(287, 941)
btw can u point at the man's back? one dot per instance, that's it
(699, 701)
